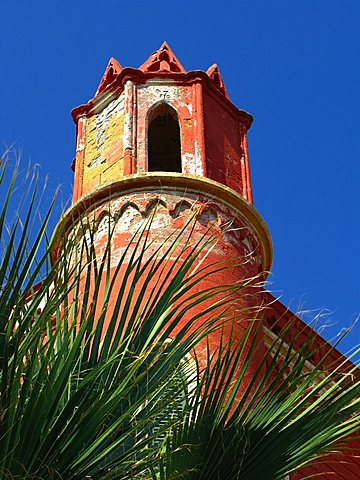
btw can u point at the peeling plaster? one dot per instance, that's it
(127, 213)
(129, 115)
(81, 134)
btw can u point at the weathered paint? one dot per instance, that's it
(150, 95)
(125, 214)
(78, 163)
(226, 161)
(113, 187)
(212, 141)
(103, 160)
(212, 212)
(112, 71)
(212, 129)
(163, 60)
(129, 128)
(114, 148)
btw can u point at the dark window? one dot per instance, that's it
(164, 152)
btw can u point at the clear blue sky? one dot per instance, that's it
(294, 65)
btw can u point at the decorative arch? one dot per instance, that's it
(180, 207)
(163, 139)
(104, 221)
(127, 206)
(155, 204)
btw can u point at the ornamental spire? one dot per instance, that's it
(163, 60)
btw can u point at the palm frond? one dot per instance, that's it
(283, 418)
(99, 373)
(79, 381)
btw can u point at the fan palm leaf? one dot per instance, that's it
(289, 414)
(99, 376)
(78, 398)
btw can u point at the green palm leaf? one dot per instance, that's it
(95, 384)
(286, 417)
(79, 400)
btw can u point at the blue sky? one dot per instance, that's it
(294, 65)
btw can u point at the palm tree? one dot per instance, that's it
(78, 400)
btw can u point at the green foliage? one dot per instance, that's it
(287, 416)
(88, 391)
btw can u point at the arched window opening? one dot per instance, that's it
(164, 148)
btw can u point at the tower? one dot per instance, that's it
(160, 140)
(159, 137)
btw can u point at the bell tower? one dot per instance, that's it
(161, 118)
(167, 144)
(160, 137)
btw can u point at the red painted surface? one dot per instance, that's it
(235, 246)
(213, 146)
(214, 74)
(163, 60)
(224, 134)
(213, 130)
(347, 465)
(112, 71)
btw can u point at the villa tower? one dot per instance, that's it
(161, 138)
(160, 141)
